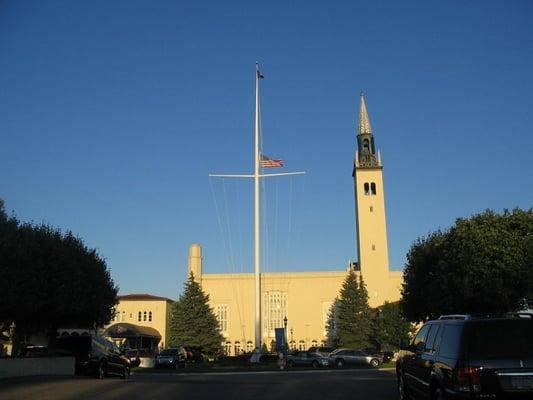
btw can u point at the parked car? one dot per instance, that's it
(343, 357)
(323, 351)
(464, 356)
(94, 355)
(386, 356)
(134, 355)
(306, 359)
(171, 358)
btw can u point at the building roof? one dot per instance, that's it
(143, 297)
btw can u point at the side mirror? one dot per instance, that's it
(404, 344)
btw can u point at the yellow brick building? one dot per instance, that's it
(141, 321)
(304, 298)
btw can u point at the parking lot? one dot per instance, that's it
(319, 384)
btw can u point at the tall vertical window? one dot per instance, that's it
(227, 348)
(237, 348)
(123, 316)
(140, 316)
(144, 316)
(149, 316)
(367, 189)
(373, 188)
(275, 310)
(249, 346)
(222, 316)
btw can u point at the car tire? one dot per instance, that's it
(125, 373)
(403, 393)
(101, 370)
(290, 364)
(339, 363)
(315, 364)
(438, 394)
(374, 363)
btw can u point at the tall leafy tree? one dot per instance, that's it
(354, 319)
(193, 322)
(482, 264)
(390, 326)
(50, 280)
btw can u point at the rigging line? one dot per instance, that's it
(290, 222)
(220, 227)
(230, 245)
(231, 254)
(265, 237)
(240, 300)
(276, 228)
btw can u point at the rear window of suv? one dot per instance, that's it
(500, 339)
(450, 341)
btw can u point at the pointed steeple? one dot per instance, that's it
(366, 154)
(364, 121)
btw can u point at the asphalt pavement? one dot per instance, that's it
(321, 384)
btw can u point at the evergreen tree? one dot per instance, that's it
(354, 319)
(331, 325)
(193, 322)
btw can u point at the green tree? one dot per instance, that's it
(193, 322)
(50, 280)
(390, 326)
(354, 317)
(332, 337)
(482, 264)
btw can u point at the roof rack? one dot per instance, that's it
(468, 317)
(456, 316)
(520, 314)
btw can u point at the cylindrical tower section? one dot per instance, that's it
(195, 261)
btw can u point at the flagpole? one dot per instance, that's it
(257, 222)
(257, 176)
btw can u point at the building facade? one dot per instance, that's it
(141, 321)
(305, 298)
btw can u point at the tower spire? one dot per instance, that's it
(364, 121)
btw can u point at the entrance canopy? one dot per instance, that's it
(124, 330)
(134, 336)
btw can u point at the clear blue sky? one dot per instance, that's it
(113, 113)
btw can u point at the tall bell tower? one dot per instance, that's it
(371, 224)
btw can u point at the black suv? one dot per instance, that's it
(94, 355)
(469, 357)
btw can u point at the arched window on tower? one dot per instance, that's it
(373, 188)
(367, 189)
(366, 146)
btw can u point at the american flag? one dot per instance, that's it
(269, 162)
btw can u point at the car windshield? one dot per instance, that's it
(501, 339)
(169, 352)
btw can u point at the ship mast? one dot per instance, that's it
(257, 175)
